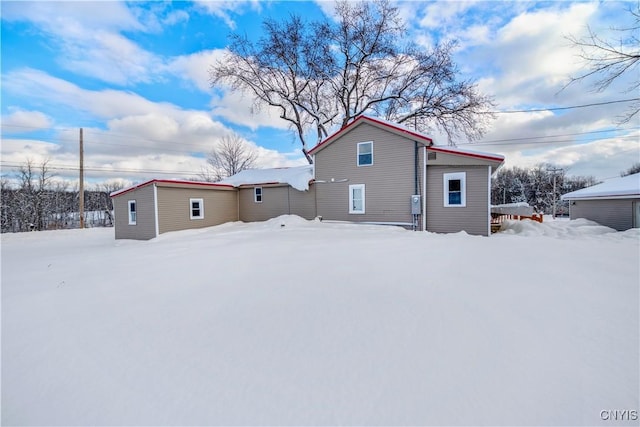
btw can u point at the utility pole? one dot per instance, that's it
(81, 181)
(554, 171)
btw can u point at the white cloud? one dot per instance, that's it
(194, 68)
(603, 158)
(225, 9)
(159, 139)
(90, 40)
(176, 17)
(26, 121)
(443, 13)
(239, 108)
(66, 18)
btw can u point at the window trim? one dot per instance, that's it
(133, 220)
(462, 177)
(256, 195)
(200, 201)
(358, 154)
(352, 210)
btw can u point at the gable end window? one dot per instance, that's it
(257, 194)
(365, 153)
(196, 207)
(455, 189)
(132, 212)
(356, 199)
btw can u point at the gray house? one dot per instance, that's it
(370, 171)
(378, 172)
(614, 203)
(146, 210)
(267, 193)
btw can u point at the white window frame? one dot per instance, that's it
(133, 219)
(358, 153)
(462, 176)
(352, 209)
(200, 207)
(256, 195)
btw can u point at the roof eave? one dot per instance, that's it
(363, 119)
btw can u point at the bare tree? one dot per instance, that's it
(231, 155)
(608, 60)
(32, 199)
(326, 73)
(634, 168)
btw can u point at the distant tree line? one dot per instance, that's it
(535, 187)
(37, 202)
(634, 168)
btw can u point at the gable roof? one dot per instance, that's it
(626, 187)
(298, 177)
(185, 184)
(395, 128)
(407, 133)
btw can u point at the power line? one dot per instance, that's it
(535, 110)
(487, 142)
(102, 169)
(557, 141)
(559, 135)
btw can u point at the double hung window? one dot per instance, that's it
(455, 189)
(365, 153)
(196, 208)
(132, 212)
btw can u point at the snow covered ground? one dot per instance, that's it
(300, 322)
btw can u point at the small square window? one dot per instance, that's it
(356, 199)
(365, 153)
(132, 212)
(196, 208)
(455, 189)
(257, 194)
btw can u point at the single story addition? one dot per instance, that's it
(370, 171)
(614, 203)
(146, 210)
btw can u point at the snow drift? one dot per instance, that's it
(307, 323)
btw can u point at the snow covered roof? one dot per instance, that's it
(626, 187)
(171, 182)
(469, 153)
(408, 133)
(297, 177)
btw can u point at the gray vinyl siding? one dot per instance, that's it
(614, 213)
(276, 201)
(474, 218)
(174, 211)
(145, 227)
(446, 159)
(302, 203)
(389, 181)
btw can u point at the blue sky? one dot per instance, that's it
(134, 77)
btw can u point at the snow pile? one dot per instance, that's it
(297, 177)
(319, 324)
(616, 187)
(577, 228)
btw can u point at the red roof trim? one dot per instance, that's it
(463, 153)
(371, 120)
(169, 181)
